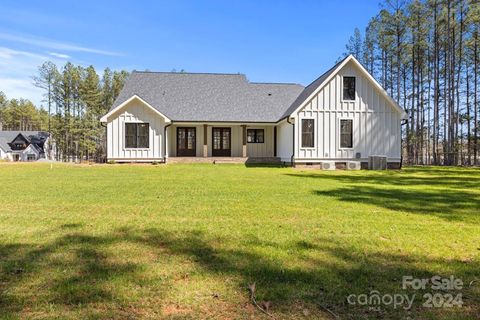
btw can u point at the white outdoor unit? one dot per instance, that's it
(377, 163)
(354, 165)
(328, 165)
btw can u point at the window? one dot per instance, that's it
(31, 157)
(307, 133)
(136, 135)
(346, 133)
(348, 88)
(255, 136)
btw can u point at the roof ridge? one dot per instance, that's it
(281, 83)
(177, 72)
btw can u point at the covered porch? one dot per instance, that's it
(209, 142)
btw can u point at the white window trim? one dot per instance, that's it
(339, 133)
(124, 133)
(314, 134)
(341, 92)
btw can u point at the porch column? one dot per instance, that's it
(205, 148)
(165, 144)
(275, 141)
(244, 141)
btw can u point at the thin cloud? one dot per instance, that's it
(56, 45)
(59, 55)
(7, 53)
(16, 70)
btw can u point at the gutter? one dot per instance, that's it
(404, 122)
(292, 158)
(165, 141)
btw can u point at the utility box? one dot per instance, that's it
(328, 165)
(377, 163)
(354, 165)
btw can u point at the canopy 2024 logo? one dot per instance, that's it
(444, 294)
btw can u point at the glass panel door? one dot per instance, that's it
(186, 142)
(221, 142)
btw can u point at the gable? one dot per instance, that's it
(20, 142)
(31, 149)
(20, 139)
(325, 93)
(139, 101)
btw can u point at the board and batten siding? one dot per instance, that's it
(265, 149)
(134, 112)
(376, 124)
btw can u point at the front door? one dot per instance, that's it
(221, 146)
(186, 142)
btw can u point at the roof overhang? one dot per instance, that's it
(126, 102)
(229, 123)
(377, 85)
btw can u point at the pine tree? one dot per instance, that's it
(45, 79)
(354, 45)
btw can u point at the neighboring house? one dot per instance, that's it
(24, 145)
(343, 115)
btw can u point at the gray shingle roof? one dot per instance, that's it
(4, 145)
(210, 97)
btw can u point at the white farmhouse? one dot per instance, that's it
(342, 116)
(24, 145)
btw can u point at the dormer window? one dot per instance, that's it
(349, 88)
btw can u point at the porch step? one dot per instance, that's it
(220, 160)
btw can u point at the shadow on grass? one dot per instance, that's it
(75, 270)
(319, 274)
(409, 191)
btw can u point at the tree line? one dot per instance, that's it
(75, 98)
(425, 53)
(21, 114)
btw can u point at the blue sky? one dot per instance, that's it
(269, 41)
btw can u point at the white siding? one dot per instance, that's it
(135, 111)
(29, 150)
(376, 124)
(285, 141)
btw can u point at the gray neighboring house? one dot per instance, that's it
(344, 115)
(24, 145)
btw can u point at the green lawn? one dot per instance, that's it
(185, 241)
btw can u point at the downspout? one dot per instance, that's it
(165, 142)
(292, 158)
(106, 139)
(405, 121)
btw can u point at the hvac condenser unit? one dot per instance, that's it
(328, 165)
(354, 165)
(377, 163)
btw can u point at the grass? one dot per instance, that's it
(185, 241)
